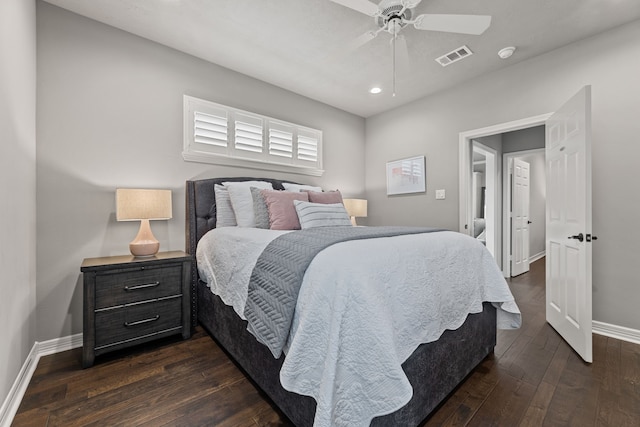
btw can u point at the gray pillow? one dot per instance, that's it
(260, 211)
(321, 214)
(225, 217)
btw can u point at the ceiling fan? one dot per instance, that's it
(392, 16)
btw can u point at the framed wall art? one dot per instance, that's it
(406, 176)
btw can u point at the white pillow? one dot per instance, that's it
(242, 201)
(298, 187)
(321, 214)
(224, 212)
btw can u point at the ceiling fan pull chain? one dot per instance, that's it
(395, 36)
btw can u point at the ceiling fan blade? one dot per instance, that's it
(464, 24)
(361, 40)
(410, 4)
(362, 6)
(346, 49)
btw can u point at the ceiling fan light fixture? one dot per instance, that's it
(506, 52)
(375, 90)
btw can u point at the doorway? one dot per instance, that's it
(467, 141)
(535, 218)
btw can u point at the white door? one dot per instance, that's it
(568, 240)
(520, 218)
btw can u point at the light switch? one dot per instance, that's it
(440, 195)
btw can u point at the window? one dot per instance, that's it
(218, 134)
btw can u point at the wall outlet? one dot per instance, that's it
(440, 195)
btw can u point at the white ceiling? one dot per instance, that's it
(299, 45)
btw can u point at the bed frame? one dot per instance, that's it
(434, 369)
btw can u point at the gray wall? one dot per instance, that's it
(523, 139)
(537, 202)
(610, 62)
(110, 115)
(17, 188)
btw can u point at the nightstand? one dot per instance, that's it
(130, 300)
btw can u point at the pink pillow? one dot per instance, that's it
(282, 212)
(325, 196)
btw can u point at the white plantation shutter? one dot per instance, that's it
(307, 148)
(280, 140)
(248, 133)
(210, 129)
(218, 134)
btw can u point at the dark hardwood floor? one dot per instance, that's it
(532, 379)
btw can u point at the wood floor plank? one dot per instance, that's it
(534, 361)
(537, 411)
(236, 405)
(630, 377)
(533, 379)
(618, 397)
(475, 389)
(506, 404)
(575, 399)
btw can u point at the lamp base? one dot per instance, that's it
(144, 249)
(145, 244)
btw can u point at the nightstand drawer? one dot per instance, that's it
(123, 324)
(138, 284)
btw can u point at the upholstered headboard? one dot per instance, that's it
(201, 217)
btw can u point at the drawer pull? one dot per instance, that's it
(146, 285)
(140, 322)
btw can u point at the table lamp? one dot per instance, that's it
(143, 205)
(355, 208)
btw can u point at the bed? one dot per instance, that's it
(433, 369)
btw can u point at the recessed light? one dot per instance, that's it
(375, 90)
(506, 52)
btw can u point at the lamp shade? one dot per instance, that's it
(136, 204)
(356, 207)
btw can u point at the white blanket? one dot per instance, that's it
(365, 306)
(225, 257)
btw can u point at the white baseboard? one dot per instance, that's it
(16, 393)
(13, 399)
(618, 332)
(58, 345)
(537, 256)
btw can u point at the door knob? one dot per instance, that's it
(590, 237)
(528, 222)
(579, 237)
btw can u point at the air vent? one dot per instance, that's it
(454, 55)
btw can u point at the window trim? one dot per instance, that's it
(231, 156)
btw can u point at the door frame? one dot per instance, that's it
(506, 202)
(465, 157)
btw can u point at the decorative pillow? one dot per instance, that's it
(224, 212)
(298, 187)
(325, 197)
(260, 211)
(282, 213)
(242, 202)
(321, 214)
